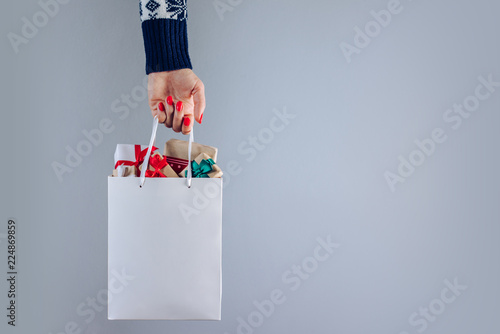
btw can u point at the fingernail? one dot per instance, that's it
(170, 101)
(179, 106)
(201, 118)
(161, 106)
(187, 121)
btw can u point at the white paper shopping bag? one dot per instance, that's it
(166, 235)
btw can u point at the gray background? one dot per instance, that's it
(322, 175)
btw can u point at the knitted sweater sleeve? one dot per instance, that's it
(164, 31)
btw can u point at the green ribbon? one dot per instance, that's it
(202, 169)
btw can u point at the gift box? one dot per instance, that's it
(131, 155)
(125, 171)
(176, 150)
(203, 167)
(177, 164)
(158, 167)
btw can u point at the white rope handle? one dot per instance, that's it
(190, 176)
(145, 164)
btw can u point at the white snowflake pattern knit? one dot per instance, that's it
(164, 29)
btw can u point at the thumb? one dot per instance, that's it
(199, 100)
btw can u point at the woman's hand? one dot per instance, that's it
(177, 98)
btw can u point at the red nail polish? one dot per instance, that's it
(161, 106)
(179, 106)
(201, 118)
(187, 121)
(170, 101)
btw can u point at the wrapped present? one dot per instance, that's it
(203, 166)
(131, 155)
(125, 171)
(176, 152)
(177, 164)
(159, 167)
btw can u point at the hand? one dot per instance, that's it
(177, 98)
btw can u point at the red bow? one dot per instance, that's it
(139, 158)
(158, 163)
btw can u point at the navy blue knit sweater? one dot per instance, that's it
(165, 34)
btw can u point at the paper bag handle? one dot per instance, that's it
(150, 148)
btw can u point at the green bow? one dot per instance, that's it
(202, 169)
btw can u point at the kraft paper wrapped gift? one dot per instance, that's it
(159, 167)
(203, 166)
(176, 152)
(125, 171)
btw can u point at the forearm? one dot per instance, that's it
(164, 29)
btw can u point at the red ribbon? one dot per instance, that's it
(158, 163)
(139, 158)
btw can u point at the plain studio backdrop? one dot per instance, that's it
(359, 141)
